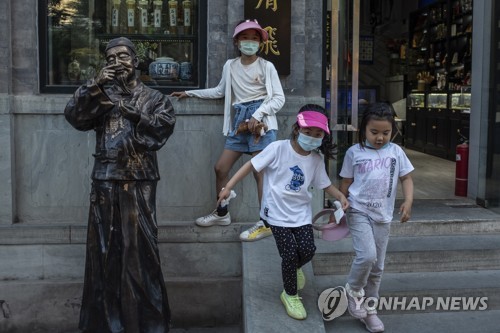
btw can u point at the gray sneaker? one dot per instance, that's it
(213, 219)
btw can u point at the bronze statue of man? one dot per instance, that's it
(124, 289)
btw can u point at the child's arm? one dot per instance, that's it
(335, 192)
(239, 175)
(405, 209)
(344, 185)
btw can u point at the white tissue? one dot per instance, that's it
(339, 213)
(225, 202)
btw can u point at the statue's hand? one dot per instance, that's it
(129, 112)
(105, 75)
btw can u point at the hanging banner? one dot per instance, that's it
(275, 17)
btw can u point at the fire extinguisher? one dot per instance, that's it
(462, 167)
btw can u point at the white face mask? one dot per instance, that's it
(309, 143)
(249, 47)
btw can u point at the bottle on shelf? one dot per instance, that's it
(143, 16)
(131, 9)
(186, 14)
(157, 19)
(172, 17)
(115, 16)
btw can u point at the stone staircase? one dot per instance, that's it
(41, 277)
(448, 252)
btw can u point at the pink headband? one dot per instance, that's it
(313, 119)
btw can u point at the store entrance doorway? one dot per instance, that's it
(357, 73)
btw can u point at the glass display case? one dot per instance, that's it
(437, 100)
(460, 101)
(416, 100)
(169, 37)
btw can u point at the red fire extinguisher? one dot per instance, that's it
(462, 169)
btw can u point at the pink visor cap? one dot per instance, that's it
(313, 119)
(250, 24)
(333, 230)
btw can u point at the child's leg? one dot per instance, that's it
(381, 233)
(287, 249)
(360, 226)
(293, 253)
(306, 249)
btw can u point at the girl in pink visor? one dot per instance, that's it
(289, 168)
(252, 96)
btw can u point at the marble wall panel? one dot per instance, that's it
(193, 259)
(21, 262)
(5, 165)
(64, 261)
(53, 169)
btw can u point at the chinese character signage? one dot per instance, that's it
(275, 17)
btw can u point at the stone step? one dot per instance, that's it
(50, 306)
(439, 289)
(444, 227)
(262, 286)
(417, 254)
(456, 322)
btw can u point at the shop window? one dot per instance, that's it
(170, 38)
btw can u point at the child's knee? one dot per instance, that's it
(366, 259)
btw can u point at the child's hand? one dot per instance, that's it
(344, 202)
(405, 211)
(223, 194)
(179, 94)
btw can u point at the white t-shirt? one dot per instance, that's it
(288, 175)
(248, 81)
(376, 173)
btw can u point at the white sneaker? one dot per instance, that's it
(355, 307)
(258, 231)
(213, 219)
(373, 323)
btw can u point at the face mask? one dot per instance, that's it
(249, 47)
(309, 143)
(369, 145)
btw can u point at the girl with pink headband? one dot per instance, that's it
(252, 96)
(289, 168)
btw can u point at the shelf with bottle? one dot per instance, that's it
(156, 38)
(460, 8)
(442, 47)
(461, 27)
(162, 61)
(438, 12)
(157, 17)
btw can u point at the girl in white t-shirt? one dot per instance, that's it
(252, 93)
(370, 173)
(289, 168)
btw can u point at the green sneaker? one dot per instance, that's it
(301, 279)
(293, 305)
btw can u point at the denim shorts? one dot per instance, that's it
(245, 142)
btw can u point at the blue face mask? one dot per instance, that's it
(309, 143)
(249, 47)
(369, 145)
